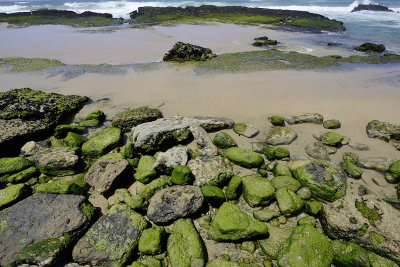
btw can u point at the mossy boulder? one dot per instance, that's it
(62, 130)
(277, 237)
(278, 135)
(324, 178)
(141, 200)
(289, 203)
(144, 171)
(93, 119)
(225, 263)
(350, 156)
(281, 170)
(135, 116)
(184, 245)
(152, 240)
(332, 139)
(265, 215)
(313, 207)
(304, 193)
(273, 152)
(371, 47)
(244, 158)
(59, 187)
(351, 169)
(332, 124)
(346, 253)
(214, 195)
(46, 252)
(286, 182)
(112, 239)
(12, 193)
(234, 187)
(258, 191)
(306, 247)
(307, 220)
(102, 142)
(383, 130)
(181, 175)
(57, 162)
(21, 176)
(394, 171)
(277, 120)
(13, 165)
(230, 224)
(223, 140)
(181, 52)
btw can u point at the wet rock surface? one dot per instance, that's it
(188, 52)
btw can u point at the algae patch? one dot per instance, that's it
(16, 64)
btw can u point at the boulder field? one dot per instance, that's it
(145, 190)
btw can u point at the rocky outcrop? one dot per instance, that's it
(181, 52)
(56, 13)
(26, 114)
(371, 7)
(28, 222)
(132, 117)
(164, 133)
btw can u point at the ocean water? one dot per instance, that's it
(381, 27)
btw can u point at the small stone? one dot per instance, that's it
(93, 119)
(60, 187)
(313, 207)
(317, 151)
(258, 191)
(62, 130)
(281, 170)
(166, 161)
(289, 203)
(181, 175)
(286, 182)
(314, 118)
(307, 220)
(332, 139)
(263, 170)
(151, 240)
(278, 135)
(244, 158)
(29, 149)
(12, 194)
(352, 170)
(273, 153)
(213, 170)
(214, 195)
(234, 187)
(102, 142)
(13, 165)
(22, 176)
(350, 156)
(265, 215)
(188, 52)
(278, 120)
(246, 130)
(332, 124)
(224, 140)
(374, 163)
(249, 246)
(135, 116)
(144, 171)
(394, 171)
(57, 162)
(371, 47)
(304, 193)
(277, 237)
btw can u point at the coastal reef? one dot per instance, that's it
(147, 190)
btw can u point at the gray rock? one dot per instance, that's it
(377, 163)
(258, 147)
(105, 173)
(210, 170)
(317, 151)
(383, 130)
(306, 118)
(174, 202)
(281, 136)
(57, 162)
(358, 146)
(246, 130)
(36, 218)
(161, 133)
(111, 241)
(366, 220)
(166, 161)
(132, 117)
(203, 140)
(29, 149)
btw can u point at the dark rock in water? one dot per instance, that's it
(373, 7)
(187, 52)
(132, 117)
(371, 47)
(26, 114)
(112, 240)
(174, 202)
(56, 13)
(37, 218)
(264, 41)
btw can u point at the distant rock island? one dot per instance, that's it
(372, 7)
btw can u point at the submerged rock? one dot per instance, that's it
(371, 7)
(132, 117)
(281, 136)
(332, 124)
(28, 222)
(368, 221)
(164, 133)
(112, 239)
(174, 202)
(314, 118)
(230, 223)
(181, 52)
(371, 47)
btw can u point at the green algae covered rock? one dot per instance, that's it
(144, 171)
(12, 193)
(112, 239)
(351, 169)
(102, 142)
(286, 182)
(46, 252)
(332, 124)
(59, 187)
(346, 253)
(265, 215)
(22, 175)
(184, 245)
(277, 120)
(13, 165)
(181, 52)
(214, 195)
(394, 170)
(144, 193)
(151, 241)
(132, 117)
(371, 47)
(181, 175)
(281, 170)
(224, 140)
(244, 158)
(332, 139)
(62, 130)
(307, 220)
(225, 263)
(306, 247)
(289, 203)
(230, 223)
(72, 141)
(93, 119)
(324, 178)
(272, 245)
(233, 188)
(313, 207)
(273, 153)
(304, 193)
(258, 191)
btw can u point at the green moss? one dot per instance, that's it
(371, 214)
(13, 165)
(151, 241)
(273, 152)
(93, 21)
(277, 120)
(181, 175)
(144, 172)
(289, 203)
(72, 141)
(315, 24)
(265, 215)
(224, 140)
(240, 128)
(353, 220)
(62, 130)
(59, 187)
(17, 64)
(214, 195)
(22, 175)
(88, 210)
(244, 158)
(273, 244)
(332, 139)
(93, 119)
(12, 193)
(258, 191)
(286, 182)
(234, 187)
(362, 231)
(376, 239)
(102, 142)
